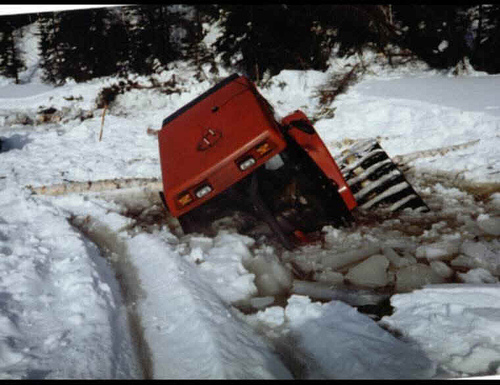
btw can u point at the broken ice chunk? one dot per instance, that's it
(395, 259)
(483, 255)
(438, 250)
(415, 277)
(272, 278)
(267, 285)
(490, 225)
(261, 302)
(478, 275)
(321, 291)
(391, 276)
(370, 273)
(304, 266)
(336, 261)
(330, 277)
(314, 290)
(441, 269)
(464, 261)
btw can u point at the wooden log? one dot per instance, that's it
(73, 187)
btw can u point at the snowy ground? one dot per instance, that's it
(104, 285)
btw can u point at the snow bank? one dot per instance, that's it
(191, 330)
(181, 294)
(61, 315)
(438, 111)
(457, 326)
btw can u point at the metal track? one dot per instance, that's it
(375, 180)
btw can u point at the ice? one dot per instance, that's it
(415, 277)
(268, 286)
(441, 269)
(464, 261)
(489, 224)
(478, 275)
(438, 251)
(306, 265)
(225, 265)
(494, 202)
(317, 290)
(394, 258)
(370, 273)
(323, 291)
(482, 254)
(261, 302)
(336, 261)
(346, 344)
(271, 277)
(330, 277)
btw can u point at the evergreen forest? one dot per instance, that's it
(255, 39)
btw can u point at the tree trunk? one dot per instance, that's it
(72, 187)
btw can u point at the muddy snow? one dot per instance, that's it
(104, 284)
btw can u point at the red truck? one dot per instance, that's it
(226, 150)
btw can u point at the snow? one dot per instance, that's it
(319, 327)
(456, 325)
(93, 287)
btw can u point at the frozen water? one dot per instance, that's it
(415, 277)
(349, 345)
(339, 260)
(271, 277)
(441, 269)
(323, 291)
(370, 273)
(489, 224)
(331, 277)
(261, 302)
(439, 250)
(478, 275)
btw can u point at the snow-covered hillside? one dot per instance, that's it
(104, 285)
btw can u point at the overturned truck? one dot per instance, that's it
(226, 150)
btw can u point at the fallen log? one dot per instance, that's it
(72, 187)
(406, 158)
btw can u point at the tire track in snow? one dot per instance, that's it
(115, 250)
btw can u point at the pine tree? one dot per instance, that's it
(51, 48)
(260, 38)
(81, 44)
(192, 47)
(435, 33)
(486, 43)
(11, 63)
(353, 27)
(148, 43)
(278, 36)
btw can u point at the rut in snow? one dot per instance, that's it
(115, 250)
